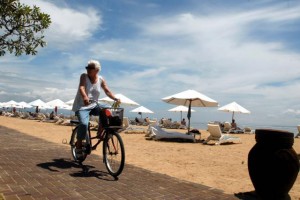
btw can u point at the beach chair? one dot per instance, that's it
(125, 122)
(227, 127)
(175, 125)
(148, 122)
(157, 133)
(166, 123)
(248, 130)
(297, 134)
(217, 135)
(132, 128)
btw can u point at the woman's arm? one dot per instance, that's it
(107, 90)
(82, 85)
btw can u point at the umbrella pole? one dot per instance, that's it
(189, 116)
(180, 116)
(232, 115)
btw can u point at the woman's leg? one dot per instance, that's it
(83, 117)
(96, 112)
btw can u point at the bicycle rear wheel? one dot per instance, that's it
(73, 140)
(114, 153)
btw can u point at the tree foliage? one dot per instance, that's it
(21, 28)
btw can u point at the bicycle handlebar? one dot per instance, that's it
(114, 105)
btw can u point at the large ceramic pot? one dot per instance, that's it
(273, 163)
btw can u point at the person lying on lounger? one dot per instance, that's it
(235, 128)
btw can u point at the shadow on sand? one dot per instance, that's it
(251, 195)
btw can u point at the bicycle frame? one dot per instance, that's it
(100, 138)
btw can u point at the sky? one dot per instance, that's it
(245, 51)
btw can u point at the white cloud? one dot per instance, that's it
(68, 25)
(297, 112)
(214, 46)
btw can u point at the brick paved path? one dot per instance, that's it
(32, 168)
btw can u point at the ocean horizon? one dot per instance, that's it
(203, 125)
(292, 129)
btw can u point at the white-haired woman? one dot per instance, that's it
(89, 90)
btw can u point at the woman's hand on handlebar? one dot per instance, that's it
(118, 101)
(86, 101)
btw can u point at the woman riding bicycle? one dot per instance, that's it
(89, 90)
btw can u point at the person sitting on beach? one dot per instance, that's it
(89, 88)
(235, 128)
(233, 125)
(161, 121)
(147, 120)
(183, 122)
(51, 115)
(137, 120)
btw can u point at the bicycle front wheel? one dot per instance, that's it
(114, 153)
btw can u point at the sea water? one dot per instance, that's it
(200, 125)
(292, 129)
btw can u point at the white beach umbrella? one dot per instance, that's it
(234, 108)
(67, 107)
(180, 109)
(23, 104)
(39, 104)
(70, 103)
(141, 110)
(10, 103)
(190, 98)
(56, 103)
(2, 105)
(124, 100)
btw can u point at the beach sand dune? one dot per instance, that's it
(219, 166)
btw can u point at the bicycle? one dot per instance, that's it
(113, 146)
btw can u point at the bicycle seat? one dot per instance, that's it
(74, 122)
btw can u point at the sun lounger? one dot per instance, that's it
(67, 122)
(157, 133)
(217, 135)
(236, 131)
(148, 122)
(248, 130)
(166, 123)
(297, 134)
(132, 128)
(227, 127)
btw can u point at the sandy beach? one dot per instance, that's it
(219, 166)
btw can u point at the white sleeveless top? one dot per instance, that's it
(93, 92)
